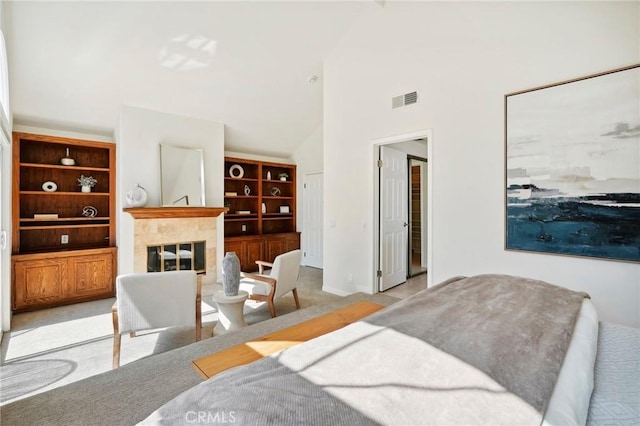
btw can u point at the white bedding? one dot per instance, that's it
(569, 404)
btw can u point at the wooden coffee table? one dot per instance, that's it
(266, 345)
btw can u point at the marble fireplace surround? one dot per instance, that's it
(153, 226)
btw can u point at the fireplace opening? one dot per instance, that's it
(177, 256)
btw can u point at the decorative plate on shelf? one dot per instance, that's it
(236, 171)
(49, 186)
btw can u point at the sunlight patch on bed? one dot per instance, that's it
(391, 370)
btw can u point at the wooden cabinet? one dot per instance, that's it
(261, 222)
(261, 247)
(49, 279)
(281, 243)
(57, 226)
(248, 249)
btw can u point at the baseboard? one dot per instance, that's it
(336, 291)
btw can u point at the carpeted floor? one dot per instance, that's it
(50, 348)
(129, 394)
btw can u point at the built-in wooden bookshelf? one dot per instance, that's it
(261, 222)
(63, 239)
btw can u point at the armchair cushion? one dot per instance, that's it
(252, 287)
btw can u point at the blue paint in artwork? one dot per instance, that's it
(605, 226)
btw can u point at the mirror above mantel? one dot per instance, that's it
(181, 176)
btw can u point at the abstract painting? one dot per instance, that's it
(573, 167)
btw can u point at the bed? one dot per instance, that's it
(488, 349)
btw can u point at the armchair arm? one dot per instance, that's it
(261, 264)
(257, 277)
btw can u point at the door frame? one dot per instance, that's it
(405, 137)
(423, 192)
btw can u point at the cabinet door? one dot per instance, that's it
(275, 246)
(255, 251)
(91, 276)
(240, 250)
(39, 282)
(292, 242)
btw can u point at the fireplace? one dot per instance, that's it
(172, 238)
(177, 256)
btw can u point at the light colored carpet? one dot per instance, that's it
(50, 348)
(129, 394)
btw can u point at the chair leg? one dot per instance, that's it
(199, 308)
(295, 297)
(272, 308)
(116, 337)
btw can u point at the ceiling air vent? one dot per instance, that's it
(404, 100)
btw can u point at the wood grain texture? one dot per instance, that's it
(174, 212)
(271, 343)
(43, 280)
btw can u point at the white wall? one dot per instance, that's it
(462, 58)
(308, 158)
(139, 134)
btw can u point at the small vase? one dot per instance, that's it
(86, 188)
(268, 175)
(231, 271)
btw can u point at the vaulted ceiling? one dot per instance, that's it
(245, 64)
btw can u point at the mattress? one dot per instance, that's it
(616, 396)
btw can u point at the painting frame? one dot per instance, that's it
(572, 167)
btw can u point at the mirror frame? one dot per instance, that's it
(164, 167)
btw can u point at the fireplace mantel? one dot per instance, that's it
(174, 212)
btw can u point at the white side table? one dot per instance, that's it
(230, 311)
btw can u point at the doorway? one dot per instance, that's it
(417, 255)
(392, 243)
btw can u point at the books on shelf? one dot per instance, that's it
(230, 194)
(243, 212)
(45, 216)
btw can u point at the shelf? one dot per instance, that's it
(260, 199)
(101, 194)
(63, 219)
(280, 217)
(46, 251)
(230, 179)
(41, 227)
(61, 167)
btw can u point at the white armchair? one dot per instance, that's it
(282, 279)
(155, 300)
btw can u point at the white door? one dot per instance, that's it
(393, 217)
(312, 219)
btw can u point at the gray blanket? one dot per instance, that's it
(479, 350)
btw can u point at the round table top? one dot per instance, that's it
(219, 296)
